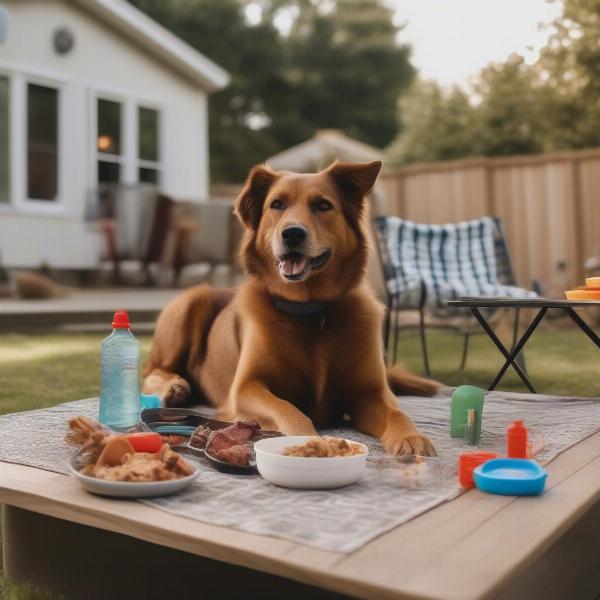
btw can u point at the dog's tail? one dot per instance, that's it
(402, 382)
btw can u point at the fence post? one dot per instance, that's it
(578, 219)
(490, 194)
(399, 181)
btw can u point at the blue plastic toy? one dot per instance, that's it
(510, 477)
(149, 401)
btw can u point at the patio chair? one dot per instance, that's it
(424, 266)
(206, 233)
(135, 221)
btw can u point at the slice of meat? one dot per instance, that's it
(240, 454)
(200, 436)
(238, 433)
(232, 444)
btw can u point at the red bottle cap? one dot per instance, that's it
(121, 320)
(518, 427)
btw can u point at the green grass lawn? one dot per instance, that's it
(559, 361)
(42, 370)
(37, 371)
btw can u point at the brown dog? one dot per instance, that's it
(299, 344)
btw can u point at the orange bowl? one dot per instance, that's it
(586, 294)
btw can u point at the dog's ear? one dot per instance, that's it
(354, 180)
(249, 204)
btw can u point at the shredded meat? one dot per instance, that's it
(126, 465)
(143, 466)
(324, 447)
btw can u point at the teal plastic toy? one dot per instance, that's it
(510, 477)
(466, 412)
(149, 401)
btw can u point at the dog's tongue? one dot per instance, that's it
(292, 266)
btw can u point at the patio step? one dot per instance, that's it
(84, 308)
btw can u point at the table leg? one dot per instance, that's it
(510, 356)
(584, 326)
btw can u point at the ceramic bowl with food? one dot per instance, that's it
(308, 472)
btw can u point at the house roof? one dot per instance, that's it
(326, 146)
(167, 47)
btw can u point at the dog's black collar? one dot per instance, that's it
(299, 308)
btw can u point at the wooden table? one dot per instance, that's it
(477, 546)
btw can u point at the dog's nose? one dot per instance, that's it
(294, 235)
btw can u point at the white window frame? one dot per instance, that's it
(157, 165)
(130, 161)
(120, 159)
(8, 205)
(19, 77)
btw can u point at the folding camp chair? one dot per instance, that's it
(424, 266)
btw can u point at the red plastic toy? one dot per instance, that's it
(467, 462)
(145, 441)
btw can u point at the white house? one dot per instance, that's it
(92, 91)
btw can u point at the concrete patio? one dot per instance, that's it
(88, 309)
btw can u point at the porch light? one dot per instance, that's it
(105, 143)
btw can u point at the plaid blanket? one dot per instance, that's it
(453, 261)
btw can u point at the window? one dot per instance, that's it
(42, 142)
(127, 145)
(108, 144)
(4, 140)
(148, 145)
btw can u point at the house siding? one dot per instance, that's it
(101, 61)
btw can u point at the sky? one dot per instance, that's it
(453, 39)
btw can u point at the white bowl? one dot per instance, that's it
(131, 489)
(307, 473)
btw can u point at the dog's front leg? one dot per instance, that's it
(174, 391)
(253, 400)
(376, 414)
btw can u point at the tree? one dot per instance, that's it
(347, 70)
(339, 67)
(508, 118)
(253, 57)
(569, 65)
(515, 108)
(438, 125)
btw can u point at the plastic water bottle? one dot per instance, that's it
(120, 376)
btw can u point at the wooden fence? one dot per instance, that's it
(549, 204)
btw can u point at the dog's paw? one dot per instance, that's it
(178, 394)
(409, 444)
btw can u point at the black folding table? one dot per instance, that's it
(542, 305)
